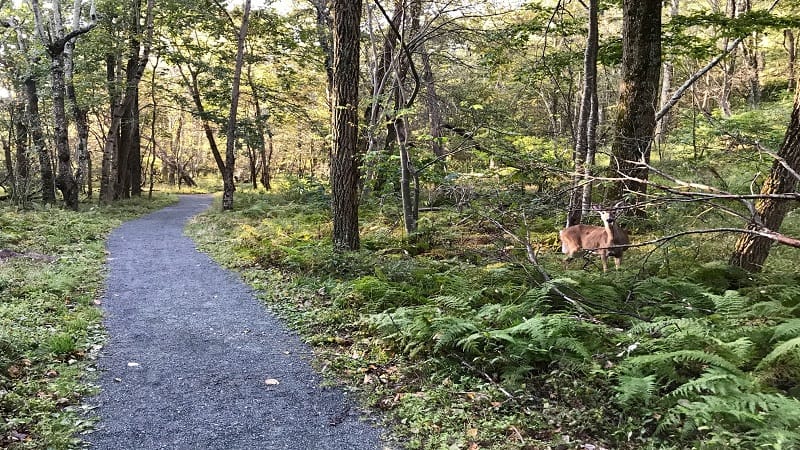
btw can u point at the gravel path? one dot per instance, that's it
(189, 352)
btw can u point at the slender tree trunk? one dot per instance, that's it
(662, 124)
(582, 171)
(80, 114)
(345, 159)
(791, 50)
(432, 104)
(729, 68)
(230, 146)
(37, 138)
(641, 69)
(751, 251)
(108, 176)
(21, 141)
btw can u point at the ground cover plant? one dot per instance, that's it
(458, 337)
(51, 275)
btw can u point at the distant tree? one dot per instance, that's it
(345, 160)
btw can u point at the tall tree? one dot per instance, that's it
(345, 160)
(115, 158)
(230, 145)
(80, 114)
(54, 40)
(635, 123)
(585, 140)
(751, 251)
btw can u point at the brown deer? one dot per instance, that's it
(579, 239)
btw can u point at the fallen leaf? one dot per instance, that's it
(271, 382)
(472, 432)
(133, 364)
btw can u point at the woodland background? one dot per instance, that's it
(394, 175)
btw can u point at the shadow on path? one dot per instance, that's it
(190, 349)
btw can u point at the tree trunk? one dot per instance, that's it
(432, 104)
(662, 124)
(230, 145)
(345, 160)
(641, 69)
(751, 251)
(37, 138)
(119, 147)
(20, 142)
(108, 175)
(582, 172)
(79, 114)
(791, 49)
(65, 181)
(729, 68)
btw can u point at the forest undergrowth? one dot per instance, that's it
(51, 275)
(458, 338)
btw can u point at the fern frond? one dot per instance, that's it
(789, 349)
(452, 302)
(635, 389)
(731, 304)
(786, 330)
(713, 381)
(681, 357)
(449, 330)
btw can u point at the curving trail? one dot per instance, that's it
(190, 349)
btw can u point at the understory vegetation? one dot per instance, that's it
(51, 274)
(465, 343)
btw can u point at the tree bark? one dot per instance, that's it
(641, 69)
(751, 251)
(345, 160)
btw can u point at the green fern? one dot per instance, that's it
(449, 330)
(786, 350)
(731, 304)
(635, 389)
(665, 363)
(786, 330)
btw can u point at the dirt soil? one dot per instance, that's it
(195, 361)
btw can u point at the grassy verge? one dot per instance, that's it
(50, 323)
(461, 343)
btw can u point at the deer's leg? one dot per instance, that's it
(617, 261)
(604, 259)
